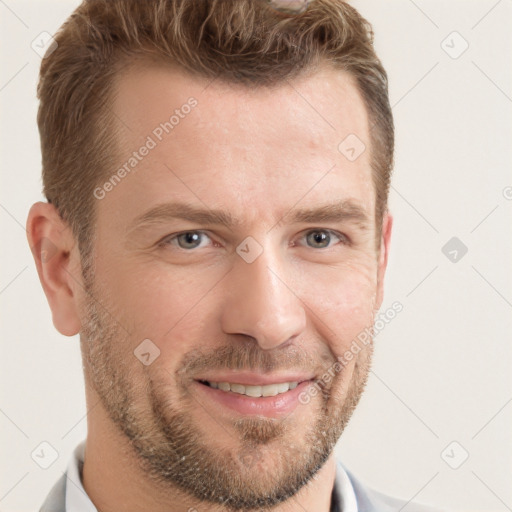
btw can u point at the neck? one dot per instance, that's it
(113, 479)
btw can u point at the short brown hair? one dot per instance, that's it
(240, 41)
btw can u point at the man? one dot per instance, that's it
(217, 232)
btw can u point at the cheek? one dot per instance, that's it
(341, 302)
(160, 303)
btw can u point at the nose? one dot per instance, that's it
(261, 304)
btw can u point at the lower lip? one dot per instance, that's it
(271, 406)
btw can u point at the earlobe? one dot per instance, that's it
(387, 226)
(53, 248)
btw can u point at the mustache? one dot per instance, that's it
(251, 357)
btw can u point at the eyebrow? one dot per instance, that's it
(341, 211)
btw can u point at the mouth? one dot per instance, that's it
(255, 395)
(252, 391)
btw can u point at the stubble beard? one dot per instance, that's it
(176, 455)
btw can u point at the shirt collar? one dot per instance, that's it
(77, 499)
(343, 498)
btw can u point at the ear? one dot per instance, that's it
(387, 225)
(58, 264)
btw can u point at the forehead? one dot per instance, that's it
(229, 146)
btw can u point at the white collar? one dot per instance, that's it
(77, 500)
(344, 490)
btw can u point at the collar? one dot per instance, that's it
(77, 499)
(343, 498)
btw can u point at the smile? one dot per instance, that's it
(253, 391)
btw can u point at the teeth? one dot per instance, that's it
(237, 388)
(281, 388)
(254, 391)
(270, 390)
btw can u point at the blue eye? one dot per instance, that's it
(321, 238)
(186, 240)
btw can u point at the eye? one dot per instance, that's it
(321, 238)
(186, 240)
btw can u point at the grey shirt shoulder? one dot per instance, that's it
(370, 500)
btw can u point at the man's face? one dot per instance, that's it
(269, 299)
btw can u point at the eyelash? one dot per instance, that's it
(169, 239)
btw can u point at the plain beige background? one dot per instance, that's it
(440, 387)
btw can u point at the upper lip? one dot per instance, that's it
(255, 379)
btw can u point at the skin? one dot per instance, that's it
(154, 442)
